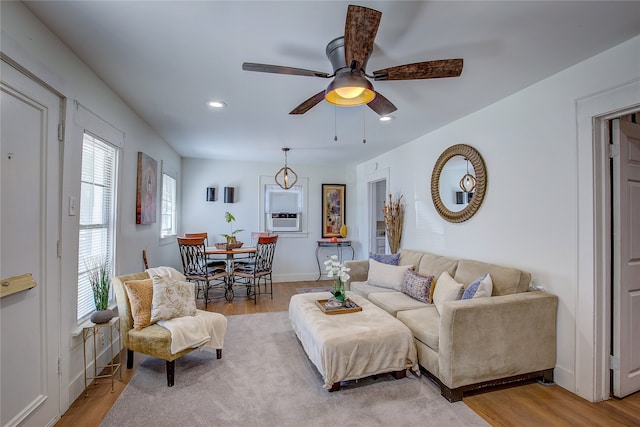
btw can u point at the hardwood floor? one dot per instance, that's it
(524, 405)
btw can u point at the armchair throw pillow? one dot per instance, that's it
(140, 293)
(447, 289)
(385, 275)
(172, 298)
(417, 286)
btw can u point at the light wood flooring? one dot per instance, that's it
(524, 405)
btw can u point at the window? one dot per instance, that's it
(168, 206)
(97, 215)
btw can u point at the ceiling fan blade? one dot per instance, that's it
(421, 70)
(360, 31)
(382, 105)
(309, 103)
(279, 69)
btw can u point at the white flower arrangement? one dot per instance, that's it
(339, 273)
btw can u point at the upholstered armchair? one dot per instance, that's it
(153, 340)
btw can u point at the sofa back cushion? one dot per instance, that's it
(410, 257)
(506, 280)
(435, 265)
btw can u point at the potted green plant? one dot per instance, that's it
(231, 238)
(98, 274)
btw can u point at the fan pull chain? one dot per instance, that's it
(364, 128)
(335, 125)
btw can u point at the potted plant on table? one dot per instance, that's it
(232, 242)
(340, 274)
(100, 281)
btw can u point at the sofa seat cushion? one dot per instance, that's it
(153, 340)
(424, 323)
(506, 280)
(364, 289)
(393, 302)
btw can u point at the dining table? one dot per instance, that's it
(230, 257)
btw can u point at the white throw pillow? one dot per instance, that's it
(385, 275)
(172, 298)
(447, 289)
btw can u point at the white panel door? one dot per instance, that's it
(29, 230)
(626, 262)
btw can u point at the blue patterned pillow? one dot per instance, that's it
(385, 259)
(480, 288)
(417, 286)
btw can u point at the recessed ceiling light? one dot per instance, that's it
(386, 118)
(216, 104)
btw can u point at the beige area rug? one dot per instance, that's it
(266, 379)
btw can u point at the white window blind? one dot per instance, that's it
(97, 215)
(168, 206)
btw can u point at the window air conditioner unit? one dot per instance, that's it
(284, 222)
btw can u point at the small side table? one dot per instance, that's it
(90, 332)
(338, 245)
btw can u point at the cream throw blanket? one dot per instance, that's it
(204, 330)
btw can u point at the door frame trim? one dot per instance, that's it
(372, 178)
(592, 308)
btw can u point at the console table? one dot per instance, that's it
(337, 245)
(111, 368)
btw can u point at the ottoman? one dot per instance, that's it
(352, 345)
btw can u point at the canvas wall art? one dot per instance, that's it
(147, 190)
(333, 209)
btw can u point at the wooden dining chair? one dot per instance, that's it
(211, 261)
(194, 264)
(260, 269)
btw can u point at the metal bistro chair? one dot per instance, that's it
(211, 261)
(194, 263)
(255, 235)
(260, 269)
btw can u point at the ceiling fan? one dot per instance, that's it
(348, 56)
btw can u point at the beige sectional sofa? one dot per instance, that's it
(472, 343)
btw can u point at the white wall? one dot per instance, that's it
(295, 255)
(529, 216)
(30, 43)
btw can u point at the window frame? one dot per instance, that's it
(174, 214)
(109, 221)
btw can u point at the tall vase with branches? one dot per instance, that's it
(393, 212)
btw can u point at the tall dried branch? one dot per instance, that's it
(393, 212)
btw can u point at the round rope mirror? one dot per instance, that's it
(472, 156)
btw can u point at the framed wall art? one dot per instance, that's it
(333, 209)
(147, 190)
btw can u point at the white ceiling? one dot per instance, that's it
(165, 59)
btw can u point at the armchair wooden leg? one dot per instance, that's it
(129, 359)
(219, 353)
(171, 368)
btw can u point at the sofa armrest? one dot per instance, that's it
(491, 338)
(359, 271)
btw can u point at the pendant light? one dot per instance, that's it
(286, 177)
(468, 181)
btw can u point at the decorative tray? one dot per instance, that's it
(341, 310)
(228, 246)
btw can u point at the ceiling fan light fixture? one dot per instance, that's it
(349, 88)
(386, 118)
